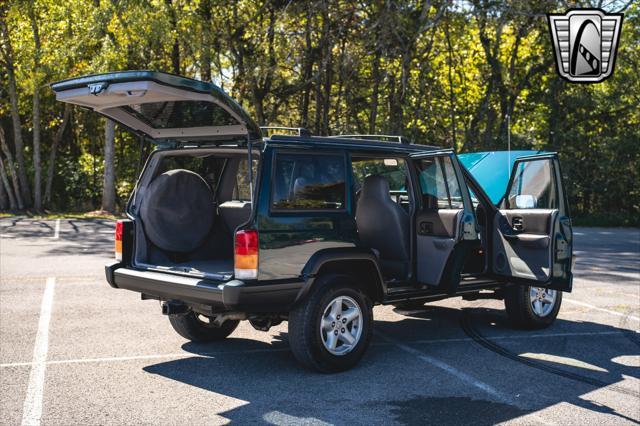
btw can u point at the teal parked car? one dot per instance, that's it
(226, 224)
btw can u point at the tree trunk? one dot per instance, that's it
(308, 60)
(37, 174)
(327, 62)
(175, 50)
(452, 100)
(375, 74)
(4, 201)
(6, 188)
(12, 169)
(109, 188)
(54, 150)
(15, 114)
(205, 54)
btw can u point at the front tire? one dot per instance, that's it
(531, 307)
(200, 328)
(331, 329)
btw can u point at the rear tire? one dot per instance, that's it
(193, 327)
(331, 329)
(530, 307)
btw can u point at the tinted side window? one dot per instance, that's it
(439, 185)
(308, 182)
(392, 169)
(533, 186)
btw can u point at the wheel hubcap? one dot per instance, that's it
(341, 325)
(542, 300)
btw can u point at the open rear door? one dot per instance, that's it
(532, 231)
(443, 219)
(161, 106)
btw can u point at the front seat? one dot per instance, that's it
(383, 226)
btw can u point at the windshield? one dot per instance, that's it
(492, 169)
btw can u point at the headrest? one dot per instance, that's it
(375, 186)
(299, 186)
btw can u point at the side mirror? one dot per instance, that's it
(526, 202)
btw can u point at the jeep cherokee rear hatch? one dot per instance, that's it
(191, 201)
(161, 106)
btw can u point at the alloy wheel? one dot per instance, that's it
(542, 300)
(341, 325)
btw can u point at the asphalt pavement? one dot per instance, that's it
(74, 351)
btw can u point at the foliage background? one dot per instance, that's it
(445, 73)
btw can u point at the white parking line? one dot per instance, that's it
(56, 232)
(286, 349)
(32, 408)
(449, 369)
(618, 314)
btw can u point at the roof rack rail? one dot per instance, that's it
(381, 138)
(301, 131)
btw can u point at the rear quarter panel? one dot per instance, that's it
(289, 239)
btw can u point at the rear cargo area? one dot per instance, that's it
(186, 208)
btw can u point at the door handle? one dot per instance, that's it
(426, 228)
(517, 223)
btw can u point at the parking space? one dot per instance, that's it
(113, 359)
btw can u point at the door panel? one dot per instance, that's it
(444, 218)
(437, 237)
(522, 243)
(532, 232)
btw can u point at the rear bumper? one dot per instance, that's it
(236, 295)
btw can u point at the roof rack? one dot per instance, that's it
(300, 131)
(382, 138)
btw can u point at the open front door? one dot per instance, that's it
(161, 106)
(532, 231)
(443, 219)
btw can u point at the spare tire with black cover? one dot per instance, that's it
(178, 211)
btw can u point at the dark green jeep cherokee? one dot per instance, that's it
(226, 225)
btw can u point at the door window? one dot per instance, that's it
(439, 184)
(394, 170)
(308, 182)
(532, 186)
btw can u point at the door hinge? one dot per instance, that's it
(469, 231)
(562, 248)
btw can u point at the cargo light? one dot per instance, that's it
(246, 254)
(118, 246)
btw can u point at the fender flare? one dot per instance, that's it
(327, 256)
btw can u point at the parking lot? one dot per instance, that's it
(75, 351)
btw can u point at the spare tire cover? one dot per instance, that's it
(178, 210)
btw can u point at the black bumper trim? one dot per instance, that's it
(258, 296)
(109, 270)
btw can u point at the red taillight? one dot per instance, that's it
(246, 254)
(119, 227)
(118, 245)
(246, 242)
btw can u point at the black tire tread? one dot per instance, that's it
(520, 313)
(188, 326)
(302, 325)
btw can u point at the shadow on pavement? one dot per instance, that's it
(278, 390)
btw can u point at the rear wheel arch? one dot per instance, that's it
(361, 267)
